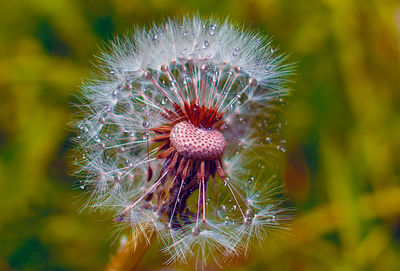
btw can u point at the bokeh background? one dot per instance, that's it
(343, 134)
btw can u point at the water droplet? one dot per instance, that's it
(97, 139)
(236, 51)
(83, 129)
(190, 56)
(114, 93)
(205, 67)
(164, 100)
(252, 82)
(249, 213)
(195, 231)
(268, 140)
(145, 124)
(154, 38)
(205, 44)
(117, 179)
(212, 29)
(185, 51)
(237, 69)
(251, 179)
(128, 163)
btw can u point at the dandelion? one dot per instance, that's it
(181, 134)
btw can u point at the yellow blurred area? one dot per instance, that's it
(342, 162)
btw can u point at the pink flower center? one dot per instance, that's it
(197, 143)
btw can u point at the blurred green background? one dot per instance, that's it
(342, 161)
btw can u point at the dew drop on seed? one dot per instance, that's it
(236, 51)
(223, 208)
(195, 231)
(190, 56)
(97, 139)
(145, 124)
(251, 179)
(205, 44)
(114, 94)
(83, 129)
(212, 29)
(184, 51)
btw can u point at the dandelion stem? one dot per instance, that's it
(129, 255)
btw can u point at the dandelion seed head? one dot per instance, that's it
(179, 132)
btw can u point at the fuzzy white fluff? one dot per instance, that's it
(222, 65)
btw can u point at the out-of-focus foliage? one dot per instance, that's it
(342, 164)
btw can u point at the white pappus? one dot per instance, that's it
(180, 131)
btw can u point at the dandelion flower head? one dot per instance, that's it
(180, 132)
